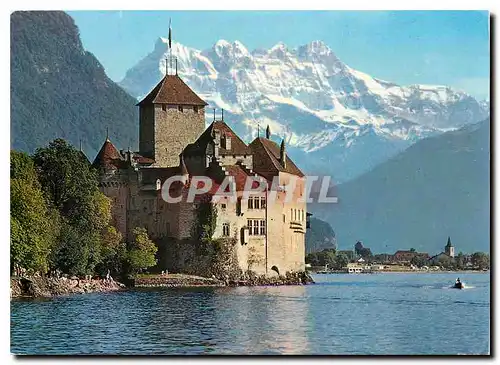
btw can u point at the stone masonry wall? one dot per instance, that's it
(174, 130)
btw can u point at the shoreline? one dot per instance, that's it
(402, 272)
(46, 287)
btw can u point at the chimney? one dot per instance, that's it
(216, 142)
(283, 154)
(227, 142)
(268, 132)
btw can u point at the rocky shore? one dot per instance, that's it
(49, 287)
(181, 280)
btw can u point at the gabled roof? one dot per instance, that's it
(266, 160)
(204, 144)
(172, 90)
(108, 156)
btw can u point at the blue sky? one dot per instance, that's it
(406, 47)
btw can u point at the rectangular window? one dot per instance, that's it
(181, 109)
(223, 206)
(263, 202)
(256, 227)
(195, 109)
(225, 229)
(249, 224)
(284, 218)
(164, 107)
(250, 203)
(262, 227)
(256, 202)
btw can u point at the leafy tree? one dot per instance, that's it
(71, 185)
(142, 251)
(68, 181)
(412, 249)
(33, 224)
(326, 257)
(460, 261)
(113, 251)
(445, 261)
(206, 219)
(480, 260)
(341, 261)
(313, 259)
(418, 261)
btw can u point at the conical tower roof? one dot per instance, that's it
(107, 156)
(172, 90)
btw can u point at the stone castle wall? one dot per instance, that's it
(174, 130)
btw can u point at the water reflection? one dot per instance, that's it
(385, 314)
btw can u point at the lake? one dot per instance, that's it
(342, 314)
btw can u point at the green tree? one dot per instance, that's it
(445, 261)
(71, 185)
(480, 260)
(341, 261)
(142, 251)
(326, 257)
(33, 224)
(412, 249)
(113, 252)
(312, 258)
(206, 216)
(460, 261)
(418, 261)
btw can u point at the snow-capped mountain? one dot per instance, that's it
(336, 120)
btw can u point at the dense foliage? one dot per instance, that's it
(141, 254)
(33, 224)
(60, 90)
(60, 221)
(329, 258)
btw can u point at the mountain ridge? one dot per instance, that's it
(60, 90)
(320, 106)
(438, 187)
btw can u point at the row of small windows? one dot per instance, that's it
(180, 108)
(297, 215)
(255, 202)
(256, 227)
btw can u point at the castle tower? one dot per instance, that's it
(449, 249)
(171, 116)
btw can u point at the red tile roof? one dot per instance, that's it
(266, 161)
(108, 156)
(172, 90)
(142, 160)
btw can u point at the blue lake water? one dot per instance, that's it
(385, 313)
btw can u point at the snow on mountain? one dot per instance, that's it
(343, 119)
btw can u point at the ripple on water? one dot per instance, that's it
(341, 314)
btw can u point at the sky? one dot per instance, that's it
(406, 47)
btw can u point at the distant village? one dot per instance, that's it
(361, 260)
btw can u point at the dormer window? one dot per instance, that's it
(181, 109)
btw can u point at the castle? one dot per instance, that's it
(173, 141)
